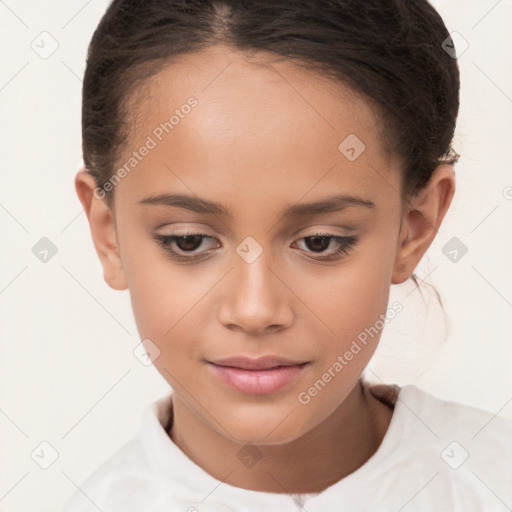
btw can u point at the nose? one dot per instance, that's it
(256, 299)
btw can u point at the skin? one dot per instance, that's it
(262, 137)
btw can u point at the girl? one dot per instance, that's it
(258, 174)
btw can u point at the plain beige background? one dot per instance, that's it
(68, 375)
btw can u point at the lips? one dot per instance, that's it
(256, 376)
(261, 363)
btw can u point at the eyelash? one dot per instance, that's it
(346, 243)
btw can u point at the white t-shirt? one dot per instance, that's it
(436, 456)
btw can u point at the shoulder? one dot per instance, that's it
(117, 477)
(446, 417)
(126, 481)
(461, 453)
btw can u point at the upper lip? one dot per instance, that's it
(260, 363)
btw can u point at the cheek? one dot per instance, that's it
(166, 307)
(352, 302)
(353, 296)
(164, 296)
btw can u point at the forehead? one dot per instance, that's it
(255, 121)
(227, 81)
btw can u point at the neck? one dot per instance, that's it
(336, 447)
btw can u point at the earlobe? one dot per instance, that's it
(423, 216)
(103, 230)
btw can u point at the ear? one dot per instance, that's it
(103, 229)
(421, 220)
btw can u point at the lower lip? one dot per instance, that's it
(257, 382)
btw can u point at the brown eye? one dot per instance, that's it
(319, 242)
(186, 245)
(188, 242)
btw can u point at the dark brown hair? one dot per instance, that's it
(390, 51)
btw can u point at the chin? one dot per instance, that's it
(274, 429)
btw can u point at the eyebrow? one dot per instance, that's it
(200, 205)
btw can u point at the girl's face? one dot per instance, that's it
(257, 141)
